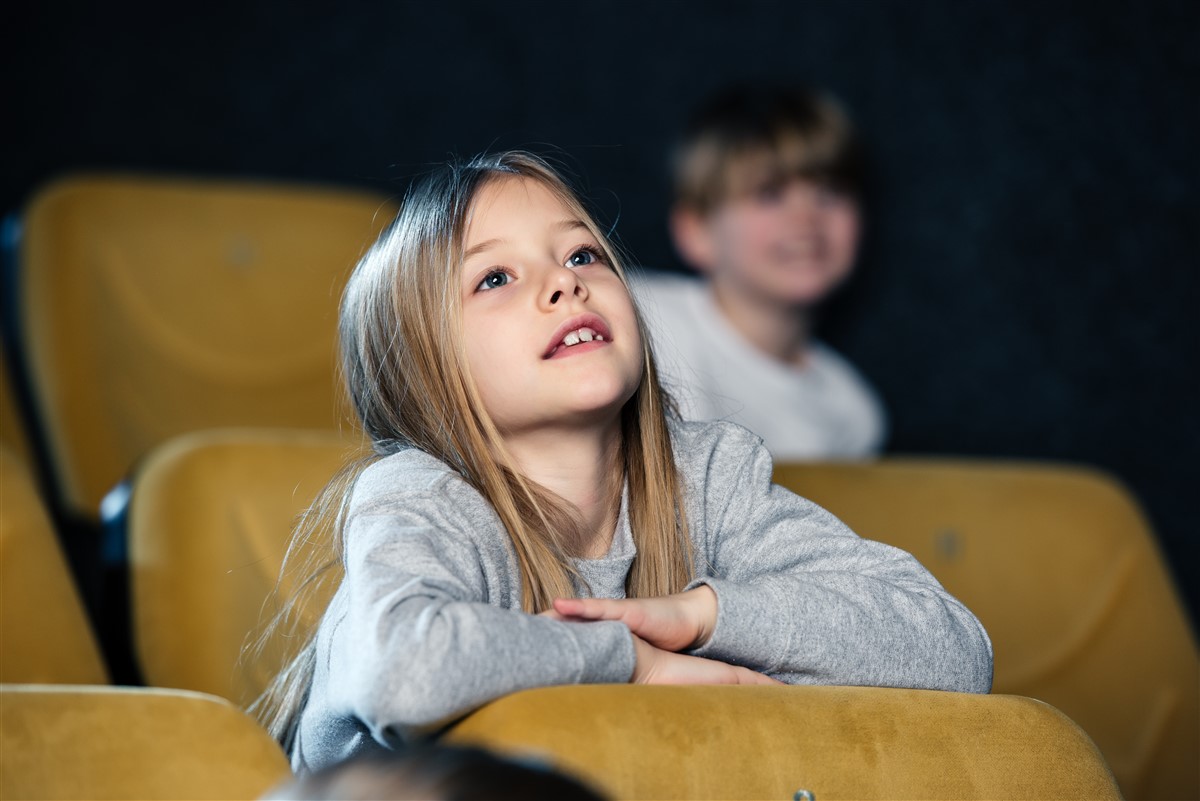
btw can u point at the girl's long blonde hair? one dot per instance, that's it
(405, 365)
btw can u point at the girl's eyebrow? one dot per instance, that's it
(481, 247)
(561, 226)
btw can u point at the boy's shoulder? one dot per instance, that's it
(669, 302)
(654, 284)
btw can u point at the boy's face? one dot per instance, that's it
(791, 243)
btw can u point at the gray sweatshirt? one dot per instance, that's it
(427, 623)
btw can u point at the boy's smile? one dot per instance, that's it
(549, 328)
(791, 244)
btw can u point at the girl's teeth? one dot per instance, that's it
(582, 335)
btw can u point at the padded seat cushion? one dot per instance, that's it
(769, 742)
(46, 635)
(119, 743)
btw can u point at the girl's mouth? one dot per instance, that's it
(578, 335)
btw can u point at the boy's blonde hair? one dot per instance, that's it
(404, 361)
(746, 139)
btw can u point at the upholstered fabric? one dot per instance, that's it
(45, 635)
(1060, 565)
(14, 434)
(212, 513)
(210, 520)
(769, 742)
(121, 743)
(152, 307)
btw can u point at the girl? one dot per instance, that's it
(535, 517)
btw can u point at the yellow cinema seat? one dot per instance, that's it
(68, 743)
(45, 635)
(673, 742)
(14, 435)
(150, 307)
(1061, 567)
(210, 520)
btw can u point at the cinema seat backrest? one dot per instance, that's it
(47, 637)
(210, 520)
(68, 743)
(676, 742)
(1060, 565)
(154, 306)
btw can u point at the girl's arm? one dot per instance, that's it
(418, 641)
(801, 597)
(425, 626)
(664, 626)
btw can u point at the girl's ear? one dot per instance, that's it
(693, 238)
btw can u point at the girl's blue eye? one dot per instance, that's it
(494, 280)
(584, 256)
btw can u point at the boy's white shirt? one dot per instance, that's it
(824, 410)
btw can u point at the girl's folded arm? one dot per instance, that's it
(804, 599)
(420, 643)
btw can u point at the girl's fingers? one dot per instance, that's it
(655, 666)
(748, 676)
(662, 621)
(572, 607)
(590, 608)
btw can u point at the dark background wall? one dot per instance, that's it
(1029, 279)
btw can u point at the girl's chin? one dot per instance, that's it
(598, 414)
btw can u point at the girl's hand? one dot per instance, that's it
(656, 666)
(677, 622)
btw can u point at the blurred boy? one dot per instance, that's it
(767, 185)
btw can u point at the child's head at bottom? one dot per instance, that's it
(434, 773)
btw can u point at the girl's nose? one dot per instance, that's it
(562, 284)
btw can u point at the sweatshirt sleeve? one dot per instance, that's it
(421, 635)
(804, 599)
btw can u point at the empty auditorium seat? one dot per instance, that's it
(68, 743)
(14, 432)
(46, 636)
(210, 520)
(1060, 565)
(153, 306)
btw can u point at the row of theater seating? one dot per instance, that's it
(632, 742)
(1056, 561)
(180, 333)
(64, 742)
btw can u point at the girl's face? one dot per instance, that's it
(550, 332)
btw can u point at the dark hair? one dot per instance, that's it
(744, 138)
(434, 772)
